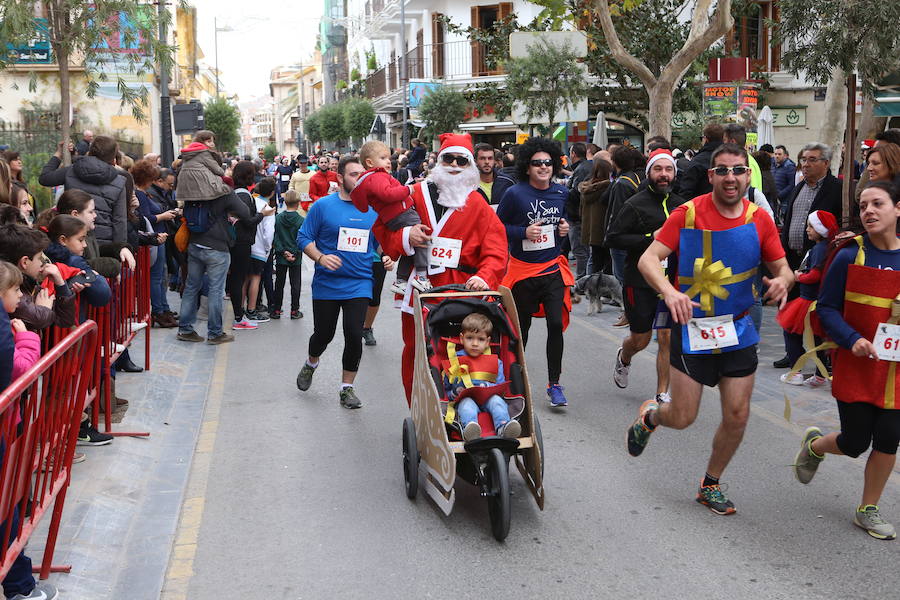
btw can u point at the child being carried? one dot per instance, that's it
(478, 369)
(394, 205)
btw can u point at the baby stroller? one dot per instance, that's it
(436, 445)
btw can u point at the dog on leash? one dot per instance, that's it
(597, 287)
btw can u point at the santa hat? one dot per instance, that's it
(457, 143)
(824, 223)
(658, 155)
(866, 144)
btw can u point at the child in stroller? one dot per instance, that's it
(475, 367)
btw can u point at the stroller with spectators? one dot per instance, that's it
(434, 441)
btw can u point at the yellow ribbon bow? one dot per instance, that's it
(708, 280)
(459, 371)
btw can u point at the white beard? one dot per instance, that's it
(454, 184)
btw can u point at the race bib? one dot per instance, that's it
(546, 240)
(445, 252)
(664, 263)
(353, 240)
(712, 333)
(332, 187)
(285, 177)
(887, 342)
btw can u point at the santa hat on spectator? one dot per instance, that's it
(658, 155)
(824, 223)
(457, 143)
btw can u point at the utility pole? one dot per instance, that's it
(404, 82)
(166, 151)
(305, 150)
(216, 44)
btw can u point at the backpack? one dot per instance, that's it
(197, 217)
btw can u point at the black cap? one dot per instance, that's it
(302, 158)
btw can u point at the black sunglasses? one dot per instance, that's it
(723, 171)
(541, 162)
(449, 159)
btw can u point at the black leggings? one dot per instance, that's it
(378, 274)
(281, 275)
(237, 273)
(550, 291)
(863, 424)
(325, 317)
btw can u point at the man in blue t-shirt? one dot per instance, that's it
(338, 238)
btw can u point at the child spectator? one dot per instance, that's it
(394, 205)
(67, 243)
(821, 227)
(479, 370)
(47, 299)
(28, 343)
(288, 255)
(260, 251)
(200, 176)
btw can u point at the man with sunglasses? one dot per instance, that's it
(719, 239)
(538, 274)
(467, 241)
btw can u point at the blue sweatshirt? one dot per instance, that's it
(830, 307)
(322, 226)
(521, 206)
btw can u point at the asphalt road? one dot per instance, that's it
(303, 499)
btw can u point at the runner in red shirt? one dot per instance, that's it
(719, 240)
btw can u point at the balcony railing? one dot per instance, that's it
(448, 61)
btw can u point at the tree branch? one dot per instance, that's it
(698, 40)
(618, 51)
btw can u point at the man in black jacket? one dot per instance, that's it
(504, 178)
(819, 190)
(581, 171)
(632, 231)
(694, 181)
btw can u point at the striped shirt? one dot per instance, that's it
(800, 213)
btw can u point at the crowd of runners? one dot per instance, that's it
(693, 245)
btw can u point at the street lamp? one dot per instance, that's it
(225, 29)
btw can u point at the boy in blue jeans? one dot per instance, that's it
(472, 367)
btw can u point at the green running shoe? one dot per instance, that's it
(869, 518)
(349, 398)
(639, 434)
(807, 461)
(304, 377)
(713, 497)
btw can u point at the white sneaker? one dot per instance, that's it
(472, 431)
(399, 287)
(795, 379)
(511, 429)
(137, 326)
(244, 323)
(620, 374)
(815, 381)
(421, 283)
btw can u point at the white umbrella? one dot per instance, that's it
(765, 128)
(601, 139)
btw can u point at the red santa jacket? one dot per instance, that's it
(318, 184)
(376, 188)
(484, 247)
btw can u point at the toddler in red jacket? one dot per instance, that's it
(394, 205)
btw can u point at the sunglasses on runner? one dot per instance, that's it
(449, 159)
(723, 171)
(541, 162)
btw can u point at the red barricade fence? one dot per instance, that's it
(40, 413)
(118, 323)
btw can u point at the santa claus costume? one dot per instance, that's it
(468, 242)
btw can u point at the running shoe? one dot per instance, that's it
(815, 381)
(304, 377)
(296, 314)
(620, 373)
(869, 518)
(622, 322)
(421, 283)
(399, 287)
(89, 436)
(244, 323)
(511, 429)
(472, 431)
(41, 591)
(557, 397)
(713, 497)
(795, 379)
(807, 461)
(349, 398)
(782, 363)
(275, 314)
(222, 338)
(369, 337)
(639, 434)
(257, 316)
(663, 398)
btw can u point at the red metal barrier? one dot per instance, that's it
(118, 324)
(37, 451)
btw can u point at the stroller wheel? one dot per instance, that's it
(497, 473)
(410, 458)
